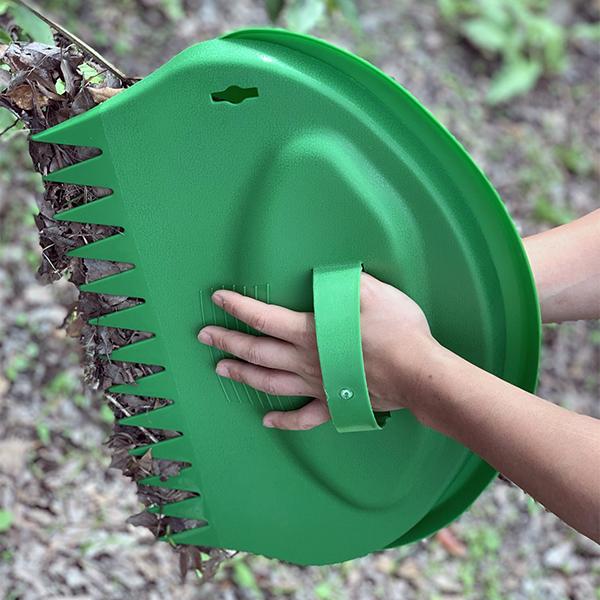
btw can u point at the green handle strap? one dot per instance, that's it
(336, 292)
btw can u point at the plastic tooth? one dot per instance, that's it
(199, 536)
(172, 449)
(166, 417)
(82, 130)
(121, 284)
(138, 317)
(117, 248)
(95, 171)
(157, 385)
(190, 508)
(147, 352)
(182, 481)
(107, 210)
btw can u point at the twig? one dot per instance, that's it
(114, 401)
(77, 41)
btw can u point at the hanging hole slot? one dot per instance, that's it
(234, 94)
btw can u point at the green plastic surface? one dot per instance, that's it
(246, 162)
(336, 305)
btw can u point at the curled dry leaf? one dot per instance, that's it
(104, 93)
(23, 97)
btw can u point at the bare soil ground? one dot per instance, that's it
(68, 538)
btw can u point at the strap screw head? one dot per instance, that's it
(346, 393)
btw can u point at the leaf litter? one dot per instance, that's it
(43, 86)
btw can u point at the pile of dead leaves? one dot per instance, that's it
(44, 85)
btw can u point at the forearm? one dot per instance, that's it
(550, 452)
(566, 266)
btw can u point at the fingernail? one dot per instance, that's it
(218, 299)
(267, 422)
(205, 337)
(222, 370)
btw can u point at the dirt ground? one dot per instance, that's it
(68, 537)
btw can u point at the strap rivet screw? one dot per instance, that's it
(346, 393)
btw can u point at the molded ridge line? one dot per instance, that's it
(128, 283)
(157, 385)
(172, 449)
(190, 508)
(165, 417)
(107, 210)
(96, 172)
(147, 352)
(115, 248)
(137, 318)
(182, 481)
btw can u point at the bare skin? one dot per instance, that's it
(552, 453)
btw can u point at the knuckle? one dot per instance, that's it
(308, 335)
(311, 369)
(269, 385)
(258, 321)
(221, 341)
(253, 354)
(237, 374)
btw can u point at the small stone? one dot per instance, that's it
(4, 385)
(587, 547)
(409, 570)
(38, 294)
(13, 455)
(444, 583)
(558, 556)
(385, 564)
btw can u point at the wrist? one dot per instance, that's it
(417, 368)
(433, 393)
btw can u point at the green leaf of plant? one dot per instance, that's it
(35, 28)
(324, 591)
(350, 12)
(89, 73)
(59, 86)
(106, 414)
(4, 37)
(43, 432)
(587, 31)
(6, 117)
(496, 11)
(448, 9)
(174, 9)
(274, 8)
(6, 520)
(485, 34)
(303, 15)
(512, 80)
(243, 576)
(547, 212)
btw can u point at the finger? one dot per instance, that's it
(310, 415)
(263, 351)
(270, 381)
(277, 321)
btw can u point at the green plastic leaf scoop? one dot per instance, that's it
(279, 166)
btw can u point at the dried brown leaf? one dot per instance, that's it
(101, 94)
(23, 97)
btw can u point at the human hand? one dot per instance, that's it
(395, 341)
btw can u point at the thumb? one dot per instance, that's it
(310, 415)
